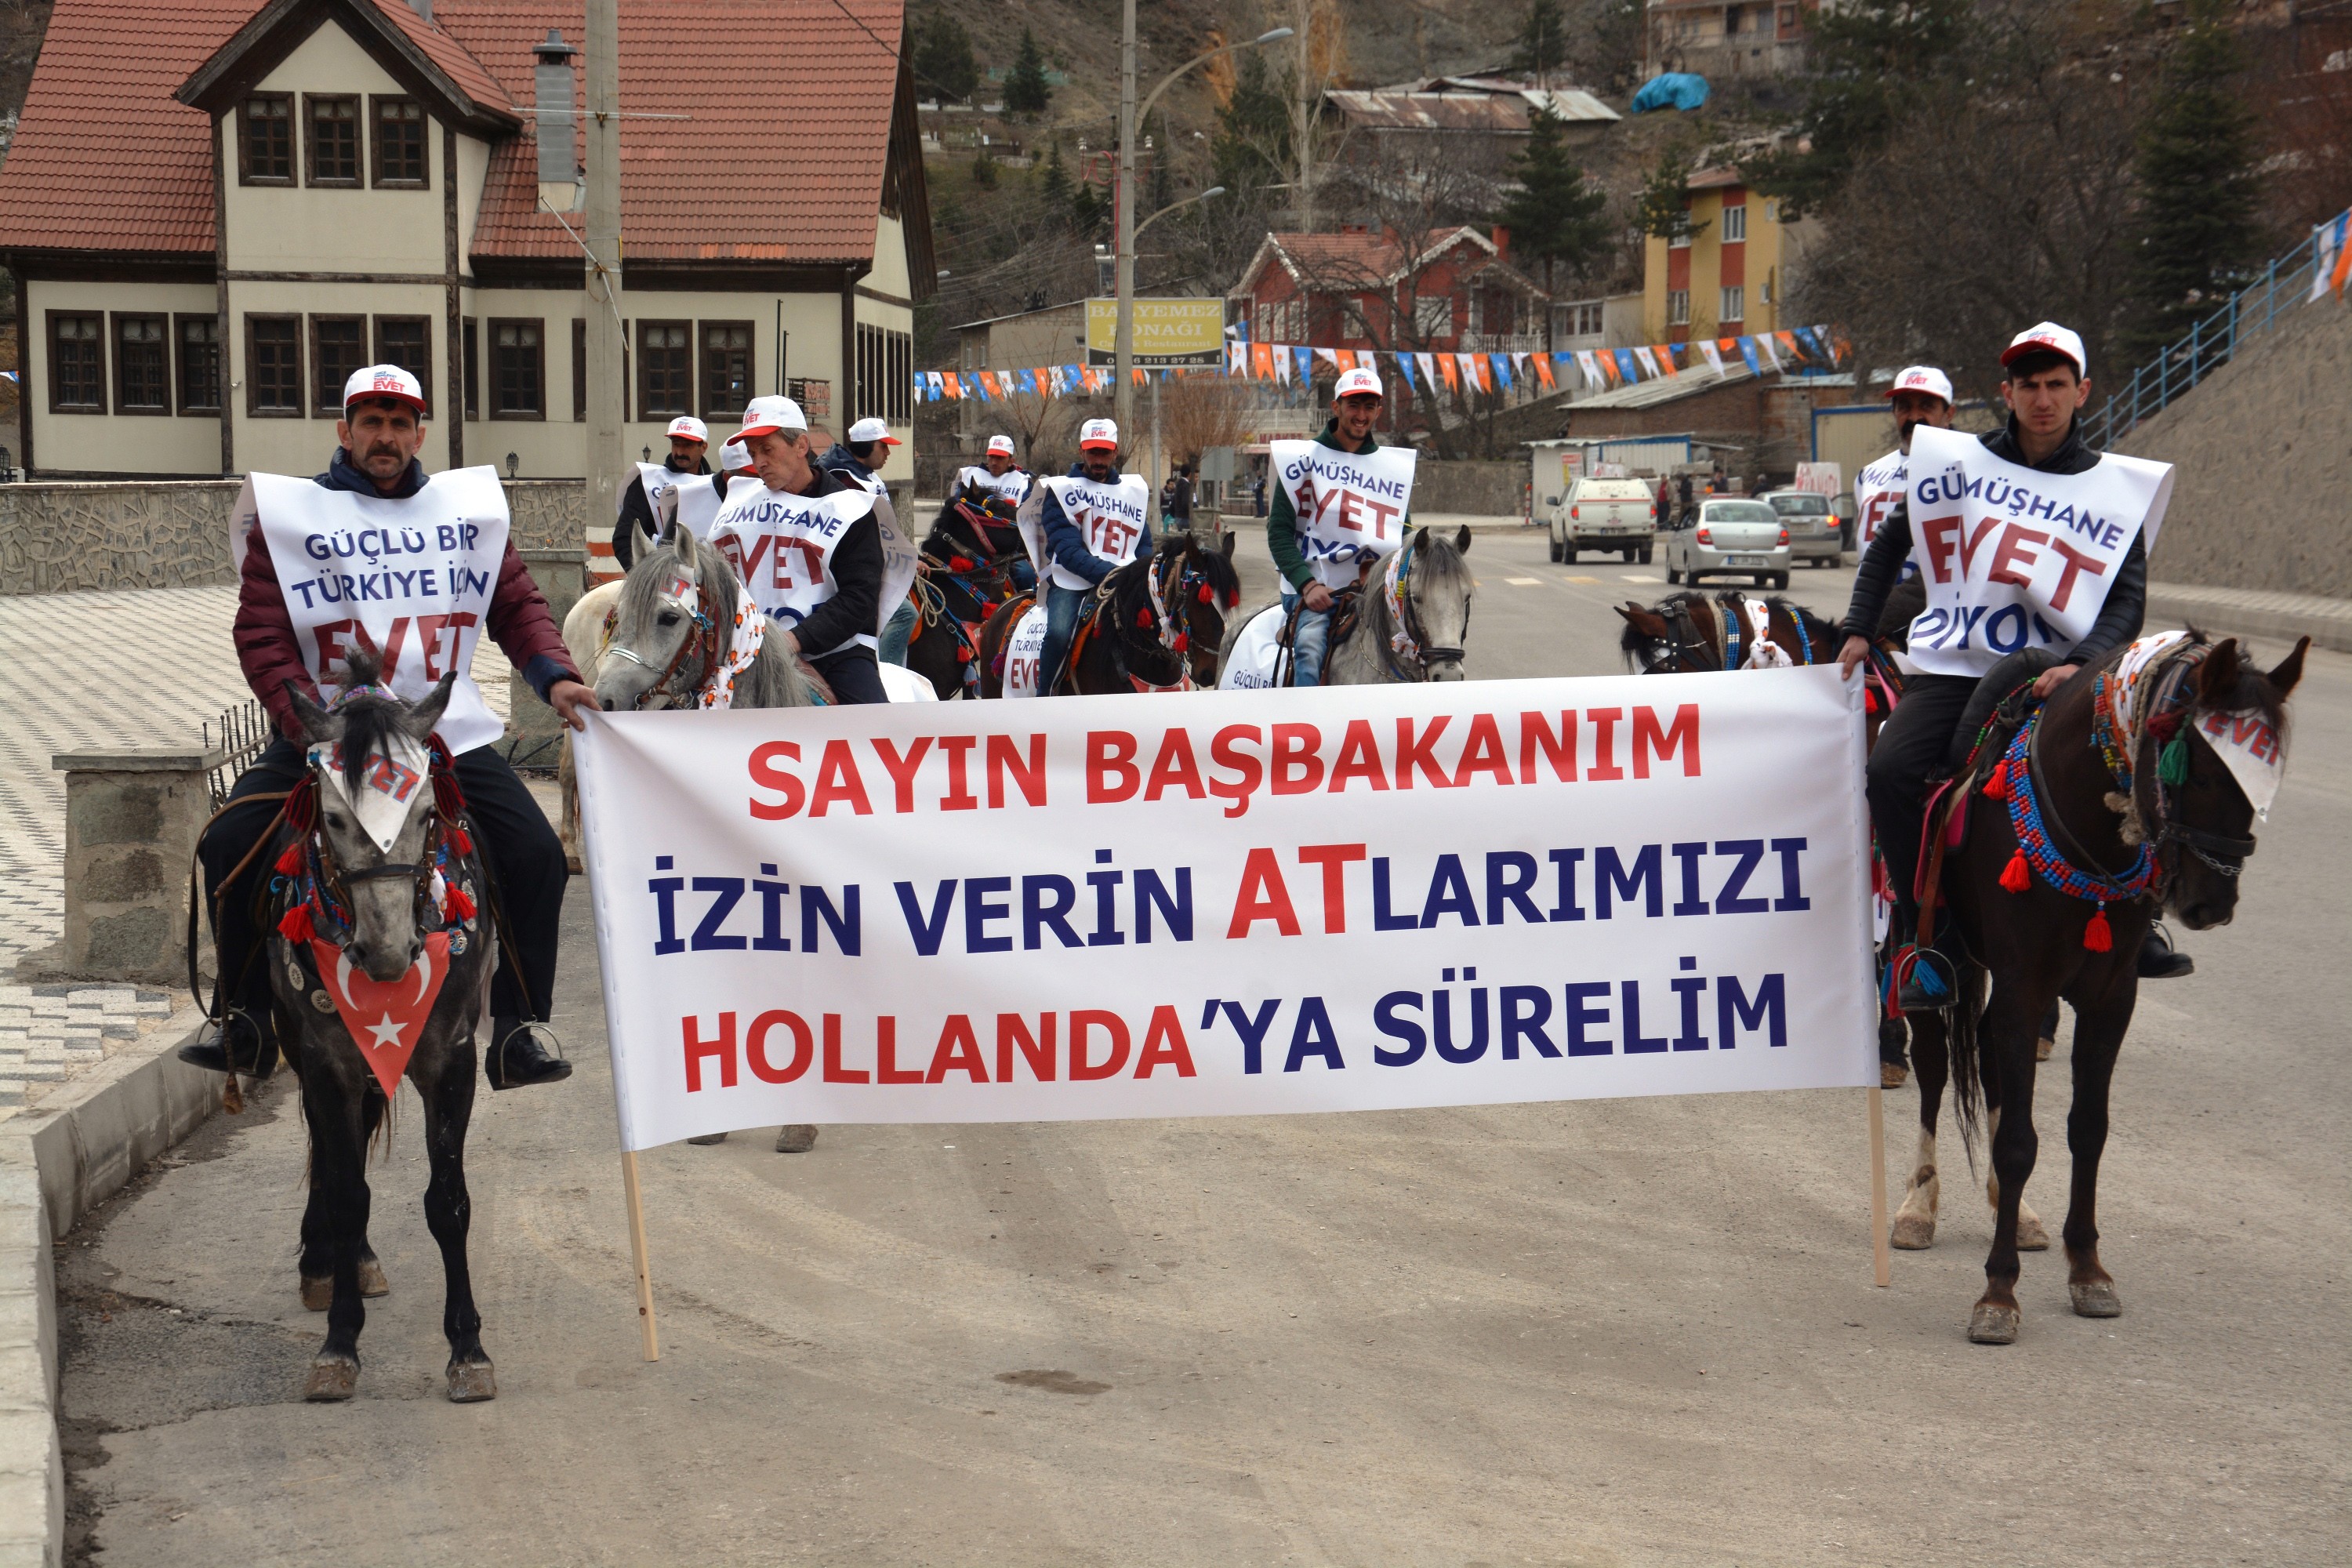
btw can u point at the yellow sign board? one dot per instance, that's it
(1167, 331)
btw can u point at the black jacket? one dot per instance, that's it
(2119, 618)
(856, 601)
(638, 512)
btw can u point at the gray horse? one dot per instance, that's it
(670, 627)
(1437, 591)
(375, 906)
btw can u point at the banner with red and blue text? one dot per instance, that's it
(1231, 903)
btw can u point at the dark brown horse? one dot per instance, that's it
(968, 561)
(1200, 587)
(1122, 644)
(2158, 792)
(1689, 632)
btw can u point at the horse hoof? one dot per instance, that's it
(332, 1378)
(2095, 1299)
(1893, 1075)
(571, 863)
(1912, 1233)
(796, 1140)
(2031, 1235)
(372, 1280)
(318, 1292)
(707, 1139)
(1994, 1324)
(2042, 1047)
(472, 1383)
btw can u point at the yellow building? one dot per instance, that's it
(1730, 275)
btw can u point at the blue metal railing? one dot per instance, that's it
(2211, 342)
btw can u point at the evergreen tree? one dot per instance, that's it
(1864, 62)
(943, 60)
(2198, 186)
(1088, 212)
(1025, 92)
(983, 171)
(1054, 185)
(1662, 211)
(1556, 214)
(1252, 146)
(1543, 47)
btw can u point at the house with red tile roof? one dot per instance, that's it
(215, 213)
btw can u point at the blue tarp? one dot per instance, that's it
(1674, 89)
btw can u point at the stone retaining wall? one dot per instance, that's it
(98, 535)
(1483, 490)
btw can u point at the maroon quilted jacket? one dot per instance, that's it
(267, 651)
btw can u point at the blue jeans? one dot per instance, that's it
(1062, 607)
(897, 633)
(1310, 642)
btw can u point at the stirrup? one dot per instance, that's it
(517, 1060)
(210, 1050)
(1924, 981)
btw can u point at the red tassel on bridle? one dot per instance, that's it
(295, 924)
(2096, 935)
(291, 862)
(2017, 876)
(1997, 786)
(1143, 620)
(456, 904)
(1179, 642)
(1207, 594)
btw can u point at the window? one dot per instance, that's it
(1735, 224)
(580, 369)
(517, 371)
(273, 366)
(338, 347)
(399, 143)
(200, 366)
(664, 369)
(1735, 305)
(1788, 21)
(77, 363)
(1576, 319)
(407, 341)
(332, 122)
(265, 139)
(473, 369)
(885, 362)
(1677, 307)
(1433, 316)
(726, 368)
(143, 361)
(1682, 241)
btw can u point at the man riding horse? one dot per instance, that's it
(1081, 552)
(379, 436)
(2045, 381)
(1356, 402)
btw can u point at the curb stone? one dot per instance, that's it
(58, 1161)
(2255, 613)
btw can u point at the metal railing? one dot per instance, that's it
(2210, 344)
(241, 734)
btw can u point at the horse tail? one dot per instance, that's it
(1961, 1028)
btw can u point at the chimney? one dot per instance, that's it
(423, 9)
(554, 104)
(1502, 238)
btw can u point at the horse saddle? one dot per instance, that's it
(1944, 826)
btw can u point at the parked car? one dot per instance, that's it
(1815, 533)
(1725, 536)
(1607, 515)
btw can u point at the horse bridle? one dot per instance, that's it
(706, 626)
(1425, 652)
(1686, 641)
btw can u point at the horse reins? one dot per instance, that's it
(706, 622)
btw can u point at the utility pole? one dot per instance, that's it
(1303, 124)
(603, 460)
(1123, 339)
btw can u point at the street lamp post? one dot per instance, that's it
(1147, 223)
(1129, 115)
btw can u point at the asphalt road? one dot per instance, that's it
(1625, 1332)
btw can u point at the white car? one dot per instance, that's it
(1724, 537)
(1618, 516)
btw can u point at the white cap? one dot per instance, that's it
(767, 413)
(1098, 433)
(733, 458)
(1354, 383)
(385, 381)
(687, 425)
(2047, 336)
(1924, 378)
(1000, 444)
(866, 430)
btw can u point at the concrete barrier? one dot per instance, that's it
(131, 822)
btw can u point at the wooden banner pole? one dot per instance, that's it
(644, 1276)
(1882, 1256)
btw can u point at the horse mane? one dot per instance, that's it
(641, 589)
(1437, 554)
(1224, 579)
(1820, 629)
(369, 722)
(2251, 690)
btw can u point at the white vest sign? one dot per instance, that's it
(1351, 506)
(783, 546)
(1876, 489)
(1254, 662)
(413, 579)
(699, 499)
(1110, 518)
(656, 478)
(1025, 653)
(1011, 484)
(2015, 558)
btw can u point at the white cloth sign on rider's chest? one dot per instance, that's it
(1351, 506)
(2015, 558)
(1110, 519)
(781, 546)
(413, 578)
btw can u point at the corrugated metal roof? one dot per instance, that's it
(1503, 110)
(1665, 389)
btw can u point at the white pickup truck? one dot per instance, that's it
(1618, 516)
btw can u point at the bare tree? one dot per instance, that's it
(1197, 412)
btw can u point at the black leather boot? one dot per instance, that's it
(2159, 960)
(516, 1058)
(238, 1041)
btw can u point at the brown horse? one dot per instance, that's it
(1122, 645)
(2155, 816)
(968, 560)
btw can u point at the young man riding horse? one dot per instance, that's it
(2045, 383)
(382, 431)
(1356, 402)
(1080, 552)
